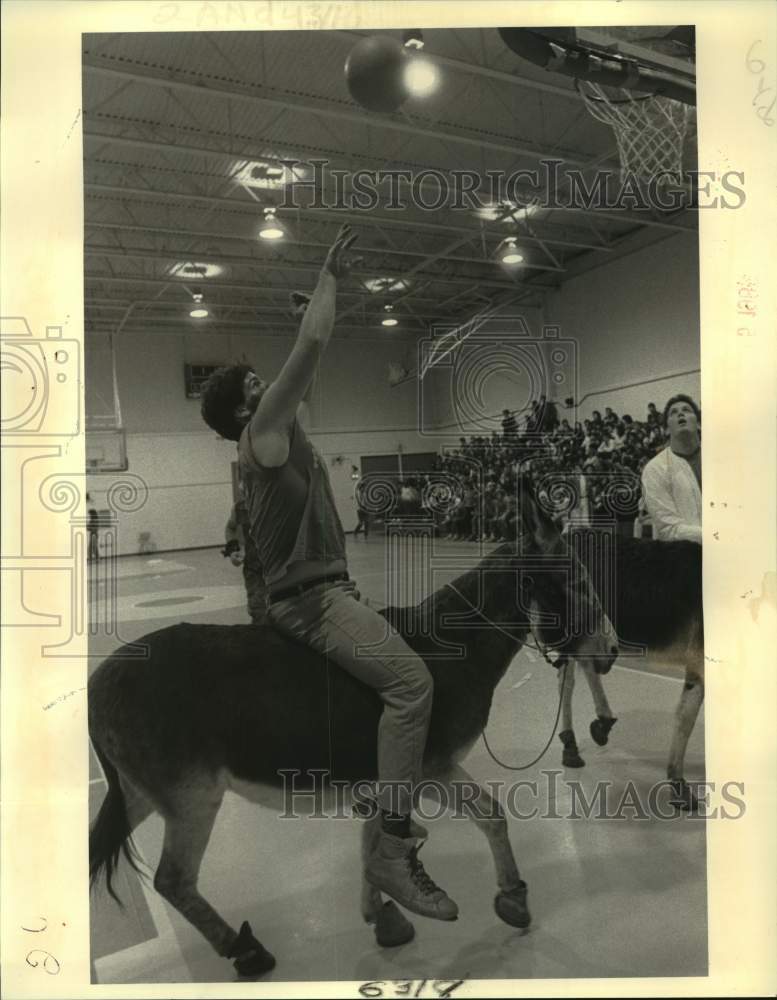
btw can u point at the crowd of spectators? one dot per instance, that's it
(591, 456)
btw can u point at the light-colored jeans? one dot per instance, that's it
(331, 619)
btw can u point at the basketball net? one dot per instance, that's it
(105, 438)
(397, 373)
(650, 131)
(450, 339)
(109, 418)
(435, 351)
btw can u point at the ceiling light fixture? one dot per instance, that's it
(376, 285)
(511, 254)
(268, 175)
(388, 319)
(195, 269)
(199, 311)
(266, 172)
(499, 209)
(271, 229)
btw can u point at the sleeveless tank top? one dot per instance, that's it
(292, 515)
(251, 558)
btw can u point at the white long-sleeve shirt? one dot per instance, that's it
(672, 497)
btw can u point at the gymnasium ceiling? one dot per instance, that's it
(173, 121)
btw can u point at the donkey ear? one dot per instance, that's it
(534, 522)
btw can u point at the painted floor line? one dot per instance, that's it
(648, 673)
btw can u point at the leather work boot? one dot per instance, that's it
(363, 810)
(395, 869)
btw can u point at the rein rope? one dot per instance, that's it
(559, 664)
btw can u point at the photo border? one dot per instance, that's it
(44, 751)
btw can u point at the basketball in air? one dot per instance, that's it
(374, 72)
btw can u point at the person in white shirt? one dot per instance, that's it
(671, 482)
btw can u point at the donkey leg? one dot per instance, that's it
(685, 719)
(188, 827)
(137, 804)
(570, 756)
(392, 928)
(488, 815)
(605, 720)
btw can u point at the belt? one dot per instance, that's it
(297, 589)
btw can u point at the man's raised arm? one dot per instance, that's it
(278, 406)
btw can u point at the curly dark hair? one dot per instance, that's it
(222, 394)
(682, 398)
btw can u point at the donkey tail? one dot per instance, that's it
(110, 834)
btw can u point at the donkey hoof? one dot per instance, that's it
(511, 907)
(255, 963)
(392, 927)
(570, 756)
(683, 797)
(600, 729)
(251, 959)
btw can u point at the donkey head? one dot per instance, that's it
(556, 590)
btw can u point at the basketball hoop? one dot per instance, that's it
(650, 130)
(450, 338)
(106, 439)
(397, 373)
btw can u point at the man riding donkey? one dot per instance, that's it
(294, 524)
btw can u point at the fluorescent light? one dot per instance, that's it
(422, 77)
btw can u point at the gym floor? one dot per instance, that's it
(614, 897)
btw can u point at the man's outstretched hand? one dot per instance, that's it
(337, 263)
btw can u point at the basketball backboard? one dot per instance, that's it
(106, 450)
(659, 46)
(646, 59)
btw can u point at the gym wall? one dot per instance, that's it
(355, 411)
(187, 467)
(635, 319)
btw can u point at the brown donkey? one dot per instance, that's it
(653, 596)
(215, 706)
